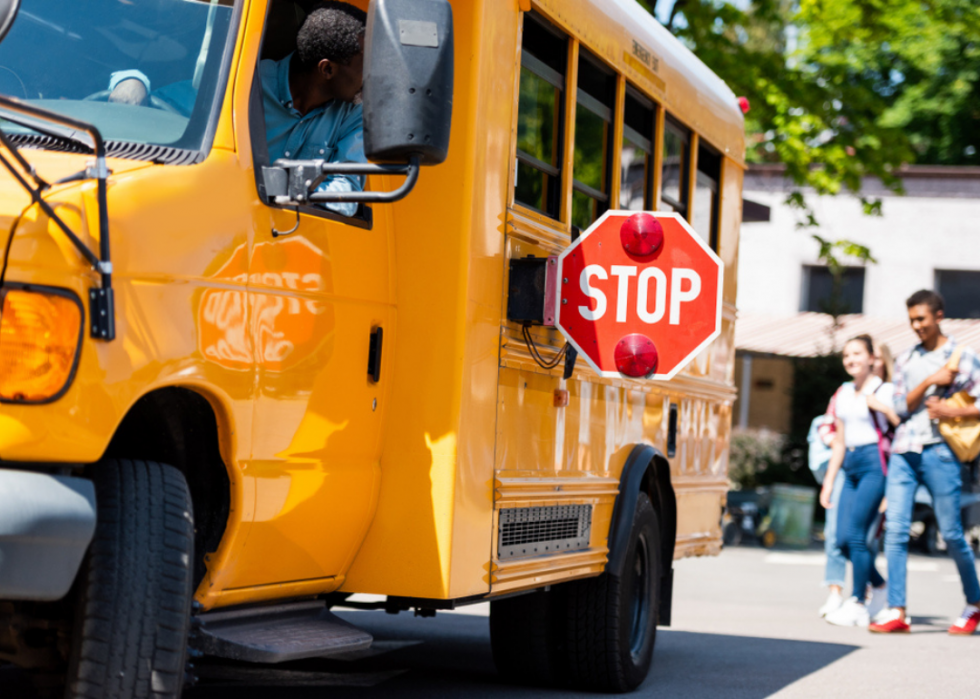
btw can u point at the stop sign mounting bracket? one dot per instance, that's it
(531, 290)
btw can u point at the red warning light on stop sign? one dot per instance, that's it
(642, 283)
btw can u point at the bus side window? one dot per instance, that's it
(706, 196)
(283, 21)
(537, 176)
(593, 132)
(636, 185)
(677, 141)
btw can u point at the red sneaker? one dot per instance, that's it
(890, 621)
(967, 623)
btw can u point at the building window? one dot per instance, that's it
(537, 176)
(706, 196)
(823, 294)
(673, 195)
(961, 291)
(593, 132)
(636, 184)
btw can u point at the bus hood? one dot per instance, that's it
(51, 166)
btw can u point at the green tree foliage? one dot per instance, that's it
(921, 57)
(843, 89)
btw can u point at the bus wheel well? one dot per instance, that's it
(177, 426)
(656, 484)
(646, 471)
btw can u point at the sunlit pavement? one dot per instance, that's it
(745, 626)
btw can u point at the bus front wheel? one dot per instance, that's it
(134, 590)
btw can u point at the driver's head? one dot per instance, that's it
(331, 44)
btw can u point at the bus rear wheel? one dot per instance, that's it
(134, 590)
(611, 620)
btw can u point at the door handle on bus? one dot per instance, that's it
(374, 354)
(672, 431)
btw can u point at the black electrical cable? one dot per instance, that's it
(536, 353)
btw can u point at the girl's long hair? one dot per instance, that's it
(887, 362)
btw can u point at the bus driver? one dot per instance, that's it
(311, 98)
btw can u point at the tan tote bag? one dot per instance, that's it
(962, 434)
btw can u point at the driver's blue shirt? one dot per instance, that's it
(333, 132)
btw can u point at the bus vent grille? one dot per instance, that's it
(534, 531)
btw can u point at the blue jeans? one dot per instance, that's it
(864, 487)
(939, 470)
(836, 563)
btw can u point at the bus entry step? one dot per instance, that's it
(277, 633)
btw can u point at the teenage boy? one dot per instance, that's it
(919, 455)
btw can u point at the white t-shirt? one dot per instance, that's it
(851, 408)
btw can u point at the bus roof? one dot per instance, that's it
(630, 39)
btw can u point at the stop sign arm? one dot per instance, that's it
(639, 294)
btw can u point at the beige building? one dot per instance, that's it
(925, 239)
(768, 381)
(766, 346)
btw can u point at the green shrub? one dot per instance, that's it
(753, 456)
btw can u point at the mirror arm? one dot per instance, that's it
(294, 181)
(101, 300)
(411, 172)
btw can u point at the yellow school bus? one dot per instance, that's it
(225, 408)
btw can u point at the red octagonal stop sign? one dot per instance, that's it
(639, 294)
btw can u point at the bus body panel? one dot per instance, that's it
(392, 488)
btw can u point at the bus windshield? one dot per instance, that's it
(141, 71)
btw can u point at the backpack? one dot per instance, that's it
(818, 439)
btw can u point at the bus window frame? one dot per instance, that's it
(552, 196)
(611, 115)
(704, 179)
(686, 135)
(632, 135)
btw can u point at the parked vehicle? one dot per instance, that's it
(746, 518)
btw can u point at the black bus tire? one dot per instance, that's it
(611, 620)
(134, 589)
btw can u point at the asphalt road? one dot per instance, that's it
(745, 627)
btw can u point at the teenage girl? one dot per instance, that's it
(856, 448)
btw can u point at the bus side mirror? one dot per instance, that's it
(8, 13)
(408, 81)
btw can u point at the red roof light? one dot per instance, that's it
(641, 235)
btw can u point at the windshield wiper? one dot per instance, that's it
(61, 133)
(101, 300)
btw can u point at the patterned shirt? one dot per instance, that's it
(913, 367)
(333, 131)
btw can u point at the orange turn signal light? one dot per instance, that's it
(39, 339)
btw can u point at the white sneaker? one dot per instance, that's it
(833, 603)
(851, 613)
(877, 600)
